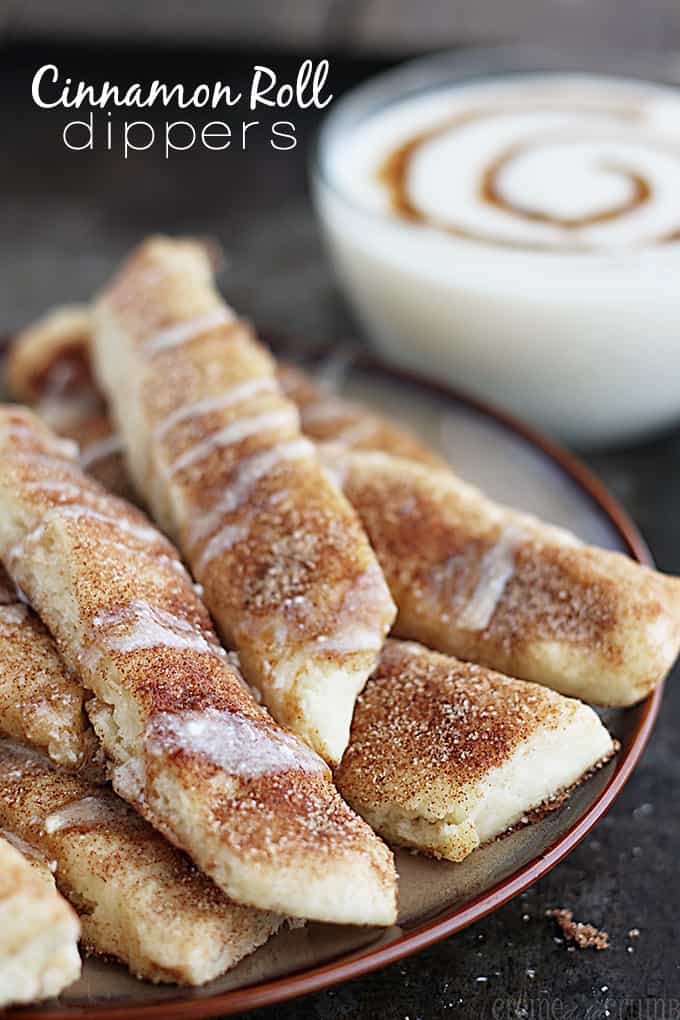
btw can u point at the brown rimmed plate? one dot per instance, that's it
(516, 465)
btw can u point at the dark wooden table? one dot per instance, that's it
(65, 220)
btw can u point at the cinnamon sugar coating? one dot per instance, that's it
(486, 583)
(217, 453)
(190, 747)
(139, 899)
(445, 755)
(445, 716)
(41, 702)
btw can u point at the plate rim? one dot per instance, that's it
(361, 962)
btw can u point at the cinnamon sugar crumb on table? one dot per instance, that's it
(586, 936)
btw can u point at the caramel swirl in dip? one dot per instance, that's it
(605, 143)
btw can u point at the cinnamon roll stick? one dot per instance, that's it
(495, 586)
(41, 702)
(38, 932)
(217, 452)
(445, 755)
(190, 748)
(139, 900)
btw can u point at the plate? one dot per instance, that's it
(515, 464)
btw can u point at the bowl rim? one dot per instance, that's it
(454, 919)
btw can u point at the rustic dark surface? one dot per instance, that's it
(65, 219)
(369, 26)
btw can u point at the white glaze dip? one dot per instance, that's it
(518, 235)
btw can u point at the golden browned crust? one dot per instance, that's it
(41, 702)
(489, 584)
(326, 417)
(216, 450)
(445, 755)
(192, 750)
(139, 899)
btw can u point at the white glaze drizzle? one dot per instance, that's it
(238, 430)
(356, 433)
(76, 511)
(150, 627)
(160, 559)
(495, 570)
(50, 460)
(183, 332)
(55, 450)
(85, 812)
(67, 490)
(61, 375)
(100, 449)
(54, 445)
(234, 395)
(238, 745)
(141, 531)
(351, 640)
(129, 780)
(351, 633)
(247, 475)
(224, 540)
(335, 410)
(16, 759)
